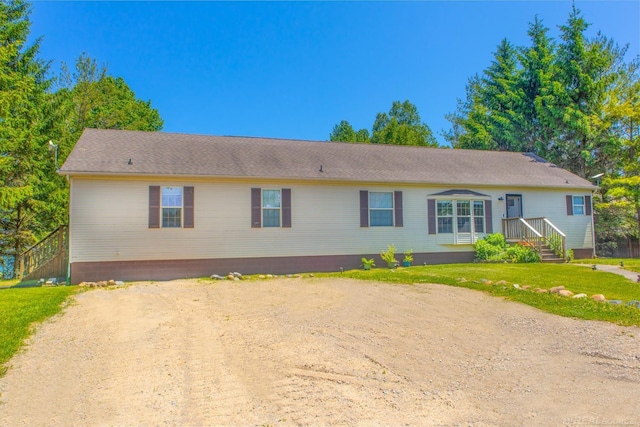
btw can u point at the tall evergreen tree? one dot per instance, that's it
(535, 88)
(23, 128)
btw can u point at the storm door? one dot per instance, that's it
(514, 205)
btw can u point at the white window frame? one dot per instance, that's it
(378, 209)
(271, 208)
(455, 216)
(578, 208)
(451, 216)
(180, 207)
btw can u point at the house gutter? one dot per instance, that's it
(320, 179)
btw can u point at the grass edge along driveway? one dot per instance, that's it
(20, 308)
(484, 277)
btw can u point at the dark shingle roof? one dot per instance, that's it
(164, 154)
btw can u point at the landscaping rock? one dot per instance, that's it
(525, 287)
(516, 286)
(634, 303)
(565, 293)
(111, 282)
(119, 283)
(501, 282)
(231, 276)
(598, 297)
(290, 276)
(262, 276)
(238, 275)
(462, 280)
(615, 301)
(269, 276)
(556, 289)
(542, 291)
(217, 277)
(579, 296)
(311, 275)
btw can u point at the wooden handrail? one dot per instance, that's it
(53, 246)
(554, 227)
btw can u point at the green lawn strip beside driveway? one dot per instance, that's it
(20, 308)
(485, 276)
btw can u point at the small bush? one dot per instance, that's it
(521, 254)
(495, 248)
(491, 248)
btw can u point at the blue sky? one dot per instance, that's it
(295, 69)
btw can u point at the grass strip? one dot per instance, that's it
(484, 277)
(20, 308)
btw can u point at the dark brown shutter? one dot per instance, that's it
(364, 208)
(154, 206)
(256, 208)
(569, 205)
(397, 207)
(488, 220)
(286, 208)
(431, 215)
(587, 205)
(188, 207)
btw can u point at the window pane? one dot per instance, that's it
(464, 208)
(270, 198)
(171, 217)
(172, 196)
(464, 225)
(479, 224)
(383, 217)
(271, 217)
(445, 225)
(381, 200)
(578, 205)
(478, 208)
(445, 207)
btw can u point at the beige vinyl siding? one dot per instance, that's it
(109, 220)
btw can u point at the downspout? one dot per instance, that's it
(69, 236)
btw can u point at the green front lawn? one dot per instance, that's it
(20, 307)
(632, 264)
(7, 283)
(574, 278)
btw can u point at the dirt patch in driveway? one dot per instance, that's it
(318, 352)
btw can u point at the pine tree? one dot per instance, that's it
(23, 129)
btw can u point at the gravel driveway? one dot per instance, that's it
(318, 352)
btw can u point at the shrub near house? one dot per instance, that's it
(495, 248)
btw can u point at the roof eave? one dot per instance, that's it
(320, 179)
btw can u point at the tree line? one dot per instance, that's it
(37, 107)
(574, 101)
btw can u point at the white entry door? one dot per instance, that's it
(514, 205)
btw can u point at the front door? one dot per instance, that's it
(514, 205)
